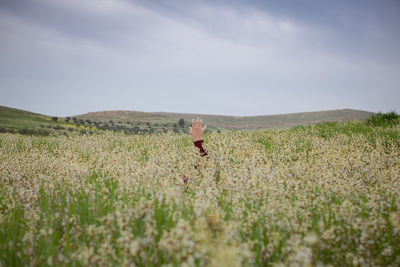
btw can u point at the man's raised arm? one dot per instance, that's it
(197, 132)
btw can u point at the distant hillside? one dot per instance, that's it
(12, 119)
(233, 122)
(130, 122)
(20, 121)
(125, 116)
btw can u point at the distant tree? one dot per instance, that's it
(156, 124)
(218, 131)
(111, 121)
(54, 118)
(175, 125)
(74, 119)
(67, 119)
(148, 123)
(176, 130)
(165, 125)
(181, 122)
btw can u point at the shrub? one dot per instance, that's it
(57, 127)
(4, 130)
(27, 131)
(389, 119)
(181, 123)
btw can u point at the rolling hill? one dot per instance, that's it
(232, 122)
(12, 119)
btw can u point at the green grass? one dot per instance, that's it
(28, 123)
(15, 119)
(328, 130)
(389, 119)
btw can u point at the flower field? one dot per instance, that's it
(319, 195)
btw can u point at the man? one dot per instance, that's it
(197, 132)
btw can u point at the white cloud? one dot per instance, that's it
(245, 61)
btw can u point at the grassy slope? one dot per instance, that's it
(11, 118)
(14, 120)
(124, 116)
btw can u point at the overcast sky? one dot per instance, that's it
(249, 57)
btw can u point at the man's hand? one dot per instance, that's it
(196, 130)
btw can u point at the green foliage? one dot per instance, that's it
(389, 119)
(329, 130)
(12, 230)
(181, 122)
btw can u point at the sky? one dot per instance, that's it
(239, 57)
